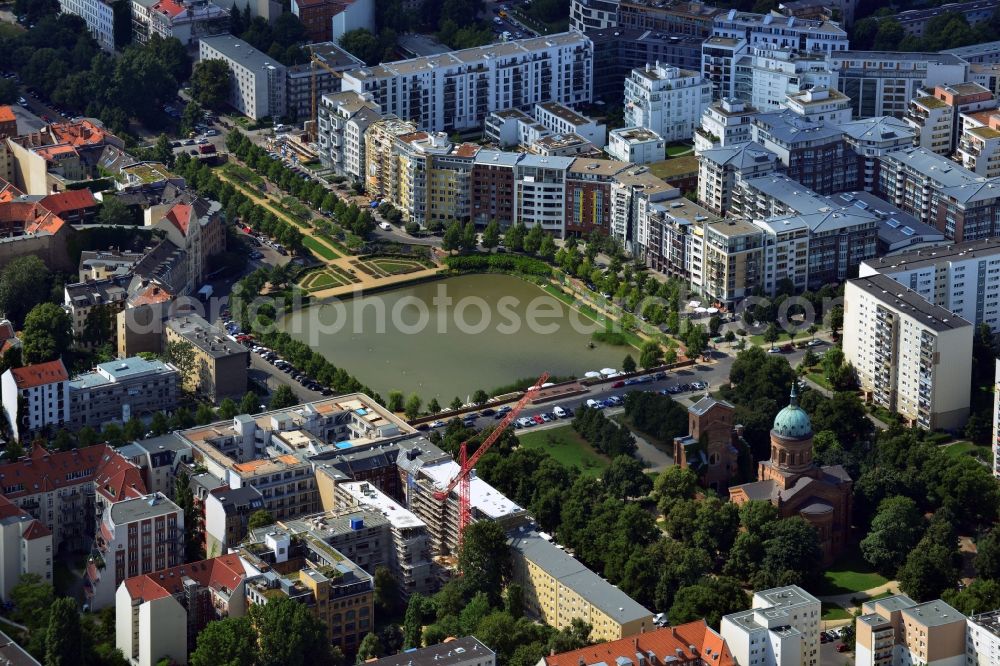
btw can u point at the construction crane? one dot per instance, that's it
(467, 462)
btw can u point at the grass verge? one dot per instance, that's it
(851, 573)
(568, 448)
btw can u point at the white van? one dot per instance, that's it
(559, 412)
(593, 404)
(385, 226)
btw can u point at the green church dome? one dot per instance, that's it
(792, 422)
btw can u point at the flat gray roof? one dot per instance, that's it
(934, 614)
(570, 572)
(239, 51)
(909, 302)
(943, 58)
(936, 255)
(208, 338)
(141, 508)
(739, 155)
(455, 651)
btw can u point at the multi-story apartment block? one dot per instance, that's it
(636, 145)
(813, 153)
(339, 592)
(409, 559)
(983, 639)
(979, 144)
(720, 168)
(668, 237)
(911, 357)
(914, 21)
(99, 16)
(343, 119)
(493, 187)
(939, 192)
(882, 83)
(25, 547)
(724, 123)
(540, 192)
(690, 643)
(380, 156)
(764, 77)
(718, 64)
(729, 262)
(560, 119)
(871, 139)
(184, 20)
(431, 179)
(307, 83)
(102, 264)
(330, 19)
(36, 397)
(456, 91)
(782, 627)
(465, 651)
(558, 589)
(118, 391)
(257, 84)
(227, 513)
(666, 100)
(588, 195)
(513, 127)
(93, 306)
(820, 104)
(136, 535)
(677, 17)
(774, 31)
(632, 193)
(619, 50)
(896, 631)
(159, 459)
(160, 614)
(220, 365)
(963, 278)
(937, 116)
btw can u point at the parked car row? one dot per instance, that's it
(546, 417)
(281, 364)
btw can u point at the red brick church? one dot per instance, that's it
(793, 483)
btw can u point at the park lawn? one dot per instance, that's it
(834, 612)
(396, 267)
(965, 448)
(817, 377)
(678, 149)
(319, 248)
(567, 447)
(851, 574)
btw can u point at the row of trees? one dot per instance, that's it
(59, 59)
(236, 204)
(948, 30)
(605, 435)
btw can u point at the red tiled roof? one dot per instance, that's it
(40, 374)
(225, 571)
(151, 295)
(180, 217)
(8, 192)
(79, 133)
(36, 531)
(168, 8)
(46, 470)
(8, 509)
(665, 643)
(118, 479)
(7, 114)
(69, 200)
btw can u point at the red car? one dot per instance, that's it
(538, 419)
(618, 384)
(841, 648)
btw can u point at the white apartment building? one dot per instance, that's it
(257, 82)
(560, 119)
(781, 629)
(25, 547)
(882, 83)
(719, 168)
(718, 64)
(979, 144)
(99, 16)
(455, 91)
(667, 100)
(911, 357)
(766, 77)
(725, 122)
(774, 31)
(897, 631)
(983, 639)
(540, 192)
(963, 278)
(342, 119)
(636, 145)
(185, 20)
(820, 104)
(633, 191)
(35, 397)
(933, 121)
(138, 535)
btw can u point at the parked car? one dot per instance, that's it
(618, 384)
